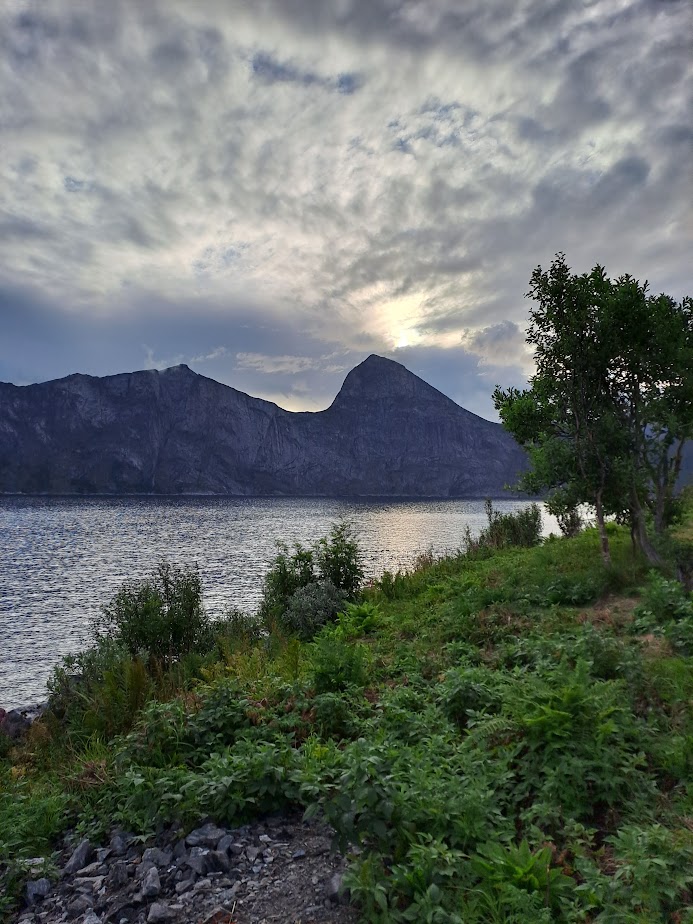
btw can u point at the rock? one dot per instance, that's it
(79, 858)
(151, 884)
(120, 842)
(184, 886)
(80, 904)
(37, 890)
(208, 835)
(218, 860)
(118, 875)
(13, 724)
(159, 912)
(227, 843)
(298, 855)
(92, 918)
(198, 864)
(93, 869)
(179, 851)
(252, 853)
(160, 858)
(102, 854)
(143, 868)
(334, 888)
(88, 884)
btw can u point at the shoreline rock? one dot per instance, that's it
(275, 870)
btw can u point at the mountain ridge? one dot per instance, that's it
(174, 431)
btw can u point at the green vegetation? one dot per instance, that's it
(506, 734)
(611, 403)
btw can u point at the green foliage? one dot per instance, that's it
(492, 731)
(667, 610)
(518, 867)
(161, 615)
(652, 879)
(522, 528)
(338, 665)
(338, 559)
(358, 619)
(305, 588)
(311, 607)
(31, 817)
(611, 403)
(99, 691)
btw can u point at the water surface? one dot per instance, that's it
(63, 558)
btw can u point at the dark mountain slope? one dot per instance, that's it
(386, 433)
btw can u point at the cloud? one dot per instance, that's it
(273, 364)
(254, 188)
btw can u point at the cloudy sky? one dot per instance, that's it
(270, 190)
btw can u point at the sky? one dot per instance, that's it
(272, 190)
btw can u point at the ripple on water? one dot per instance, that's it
(62, 558)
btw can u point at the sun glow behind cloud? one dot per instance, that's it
(212, 181)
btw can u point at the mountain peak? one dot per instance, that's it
(377, 377)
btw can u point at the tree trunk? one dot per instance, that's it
(643, 540)
(604, 539)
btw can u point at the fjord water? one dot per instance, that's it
(62, 558)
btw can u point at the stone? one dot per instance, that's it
(252, 853)
(119, 845)
(143, 869)
(37, 890)
(159, 912)
(208, 835)
(199, 864)
(102, 854)
(80, 904)
(91, 918)
(88, 884)
(79, 858)
(93, 869)
(227, 843)
(218, 860)
(298, 855)
(13, 724)
(151, 884)
(184, 886)
(333, 889)
(160, 858)
(118, 875)
(179, 851)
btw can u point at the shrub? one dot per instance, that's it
(506, 529)
(161, 615)
(312, 607)
(667, 609)
(332, 562)
(338, 665)
(338, 559)
(98, 691)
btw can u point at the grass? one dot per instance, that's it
(506, 736)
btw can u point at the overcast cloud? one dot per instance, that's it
(270, 190)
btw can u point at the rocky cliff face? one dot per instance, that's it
(174, 432)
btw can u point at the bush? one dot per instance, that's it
(667, 609)
(289, 594)
(312, 607)
(506, 529)
(338, 665)
(161, 615)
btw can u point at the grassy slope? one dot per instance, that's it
(498, 737)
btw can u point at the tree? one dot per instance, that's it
(610, 406)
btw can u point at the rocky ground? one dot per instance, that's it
(280, 870)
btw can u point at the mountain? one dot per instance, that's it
(386, 433)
